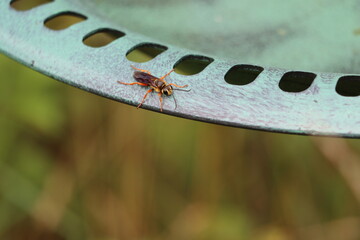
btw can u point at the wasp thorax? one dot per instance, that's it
(167, 90)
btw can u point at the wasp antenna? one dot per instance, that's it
(184, 90)
(175, 102)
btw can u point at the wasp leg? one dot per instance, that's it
(173, 84)
(161, 102)
(134, 83)
(163, 77)
(141, 70)
(143, 100)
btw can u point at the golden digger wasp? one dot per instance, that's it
(144, 78)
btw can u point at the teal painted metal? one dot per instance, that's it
(300, 36)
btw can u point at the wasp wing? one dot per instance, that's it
(143, 77)
(148, 79)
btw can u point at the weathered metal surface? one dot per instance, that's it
(319, 36)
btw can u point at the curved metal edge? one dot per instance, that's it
(215, 73)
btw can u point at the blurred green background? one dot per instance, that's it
(77, 166)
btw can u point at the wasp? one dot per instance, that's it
(159, 85)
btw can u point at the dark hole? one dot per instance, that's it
(192, 64)
(242, 74)
(296, 81)
(145, 52)
(102, 37)
(348, 86)
(63, 20)
(23, 5)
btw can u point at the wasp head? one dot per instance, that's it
(167, 90)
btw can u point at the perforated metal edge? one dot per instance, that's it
(261, 105)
